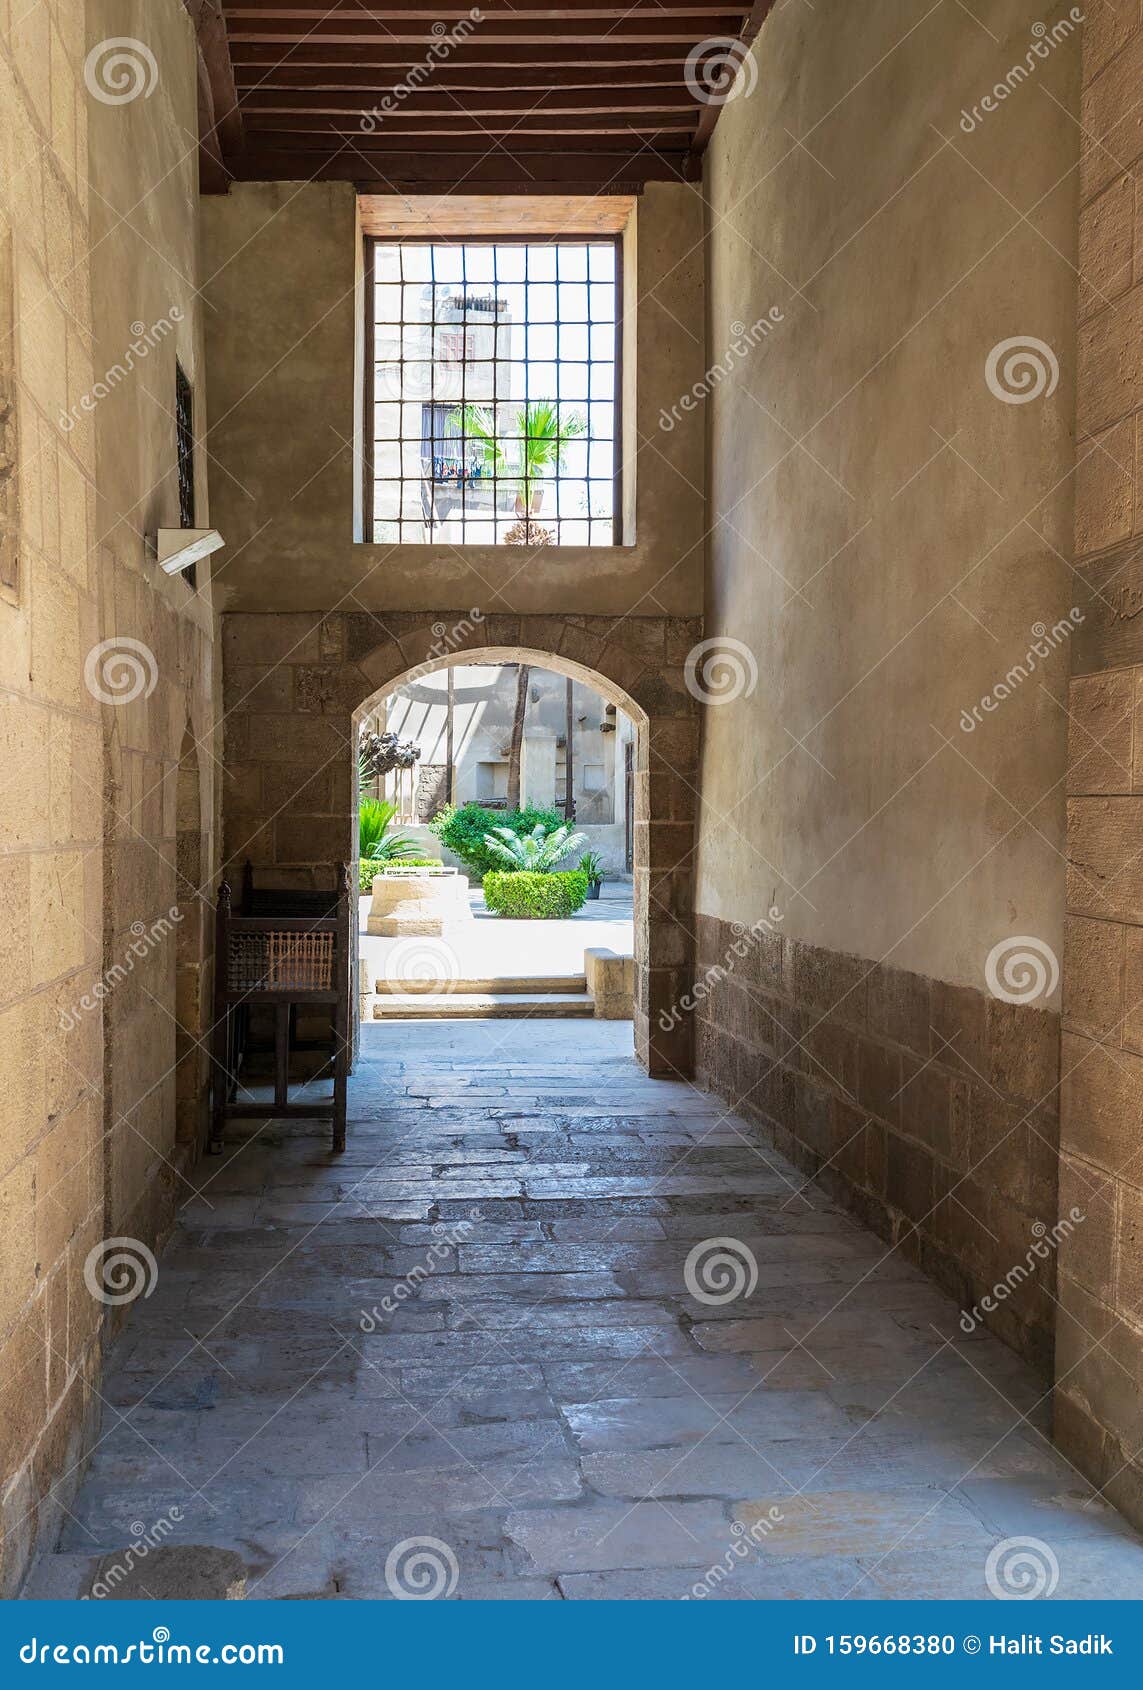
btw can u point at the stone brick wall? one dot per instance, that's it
(1099, 1357)
(295, 683)
(928, 1109)
(103, 664)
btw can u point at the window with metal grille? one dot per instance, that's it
(492, 414)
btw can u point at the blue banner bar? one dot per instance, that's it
(580, 1646)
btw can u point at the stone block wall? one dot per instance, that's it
(295, 685)
(928, 1109)
(103, 664)
(1099, 1357)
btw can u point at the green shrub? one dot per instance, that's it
(368, 871)
(461, 830)
(535, 897)
(536, 852)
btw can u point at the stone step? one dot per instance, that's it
(469, 1006)
(492, 985)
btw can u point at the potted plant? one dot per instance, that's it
(541, 438)
(591, 864)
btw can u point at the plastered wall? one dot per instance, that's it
(891, 519)
(281, 262)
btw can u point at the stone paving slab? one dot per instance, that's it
(477, 1326)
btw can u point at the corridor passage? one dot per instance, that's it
(585, 1333)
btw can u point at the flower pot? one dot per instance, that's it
(537, 503)
(593, 888)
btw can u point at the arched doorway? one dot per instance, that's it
(297, 756)
(450, 758)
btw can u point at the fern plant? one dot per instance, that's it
(539, 436)
(374, 842)
(537, 852)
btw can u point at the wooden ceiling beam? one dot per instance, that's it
(315, 85)
(308, 55)
(421, 170)
(240, 13)
(469, 103)
(636, 30)
(309, 132)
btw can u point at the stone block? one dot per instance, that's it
(170, 1573)
(611, 983)
(1101, 717)
(433, 905)
(1093, 976)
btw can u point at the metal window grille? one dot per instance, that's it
(493, 414)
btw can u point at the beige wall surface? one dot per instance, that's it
(888, 531)
(103, 662)
(281, 285)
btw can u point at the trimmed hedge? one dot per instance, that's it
(461, 830)
(535, 897)
(369, 868)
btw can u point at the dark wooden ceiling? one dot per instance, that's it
(405, 96)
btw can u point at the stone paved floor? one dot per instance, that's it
(491, 946)
(320, 1376)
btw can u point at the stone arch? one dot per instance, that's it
(295, 686)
